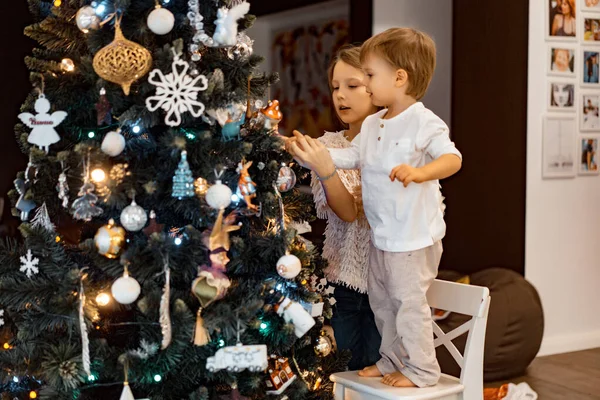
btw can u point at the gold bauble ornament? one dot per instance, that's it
(123, 61)
(109, 239)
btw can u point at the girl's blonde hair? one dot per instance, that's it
(348, 53)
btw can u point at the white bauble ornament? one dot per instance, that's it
(161, 21)
(113, 143)
(125, 290)
(87, 19)
(133, 217)
(219, 196)
(289, 266)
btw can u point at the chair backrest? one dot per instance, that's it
(468, 300)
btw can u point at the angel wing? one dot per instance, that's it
(58, 117)
(26, 119)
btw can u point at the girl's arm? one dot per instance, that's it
(554, 25)
(312, 154)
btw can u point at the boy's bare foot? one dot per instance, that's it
(370, 372)
(397, 380)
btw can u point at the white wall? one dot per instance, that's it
(562, 255)
(435, 18)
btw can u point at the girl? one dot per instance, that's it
(564, 23)
(338, 198)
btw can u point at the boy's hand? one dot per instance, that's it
(407, 174)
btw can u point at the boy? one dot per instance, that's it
(409, 144)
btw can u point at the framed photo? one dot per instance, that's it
(591, 30)
(561, 21)
(589, 116)
(591, 5)
(558, 147)
(590, 66)
(561, 96)
(588, 150)
(561, 60)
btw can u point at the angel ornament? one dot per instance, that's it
(43, 124)
(226, 24)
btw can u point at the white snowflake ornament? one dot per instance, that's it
(29, 264)
(176, 92)
(43, 124)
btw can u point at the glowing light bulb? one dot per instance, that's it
(221, 343)
(98, 175)
(91, 378)
(263, 326)
(157, 378)
(57, 3)
(100, 9)
(235, 198)
(178, 241)
(91, 134)
(102, 299)
(33, 394)
(6, 346)
(15, 379)
(67, 65)
(136, 129)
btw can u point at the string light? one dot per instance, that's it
(57, 3)
(178, 241)
(33, 394)
(221, 343)
(91, 135)
(264, 326)
(102, 300)
(136, 129)
(6, 346)
(57, 239)
(91, 378)
(15, 379)
(157, 378)
(67, 65)
(98, 175)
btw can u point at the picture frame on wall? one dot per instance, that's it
(561, 20)
(561, 96)
(559, 147)
(589, 114)
(588, 151)
(590, 67)
(561, 60)
(591, 30)
(591, 5)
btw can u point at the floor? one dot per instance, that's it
(570, 376)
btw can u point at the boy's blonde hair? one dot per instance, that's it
(348, 53)
(407, 49)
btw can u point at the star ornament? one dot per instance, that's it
(176, 92)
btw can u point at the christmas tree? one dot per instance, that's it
(123, 284)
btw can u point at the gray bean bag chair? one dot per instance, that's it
(515, 325)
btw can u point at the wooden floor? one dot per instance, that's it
(570, 376)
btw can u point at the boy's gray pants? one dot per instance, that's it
(398, 284)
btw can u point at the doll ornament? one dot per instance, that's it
(43, 124)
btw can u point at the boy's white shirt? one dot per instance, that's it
(401, 218)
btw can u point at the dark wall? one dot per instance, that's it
(486, 200)
(15, 87)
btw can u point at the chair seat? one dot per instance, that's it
(448, 385)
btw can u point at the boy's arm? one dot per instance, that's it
(434, 139)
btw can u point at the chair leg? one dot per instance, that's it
(338, 391)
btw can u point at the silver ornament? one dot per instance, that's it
(323, 346)
(87, 19)
(218, 195)
(286, 179)
(133, 217)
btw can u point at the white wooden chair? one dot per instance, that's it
(449, 296)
